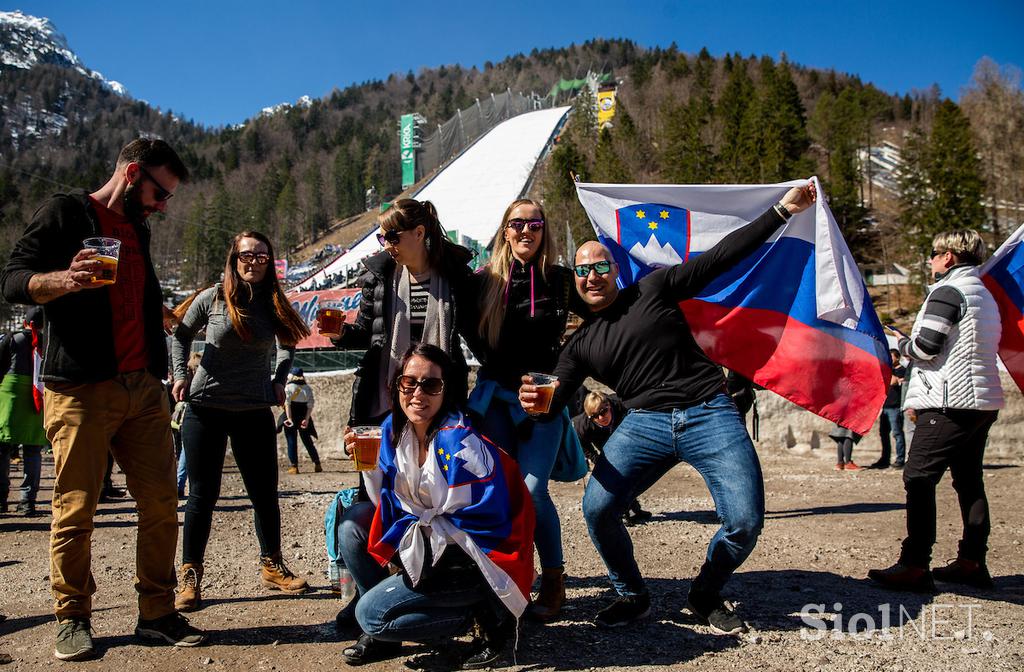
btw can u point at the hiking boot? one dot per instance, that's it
(966, 572)
(190, 597)
(880, 464)
(317, 468)
(369, 650)
(170, 629)
(715, 612)
(74, 639)
(276, 576)
(904, 577)
(624, 610)
(549, 602)
(293, 469)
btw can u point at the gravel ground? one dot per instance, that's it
(824, 530)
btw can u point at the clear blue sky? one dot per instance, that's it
(221, 61)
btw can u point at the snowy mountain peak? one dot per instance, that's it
(304, 101)
(655, 254)
(26, 41)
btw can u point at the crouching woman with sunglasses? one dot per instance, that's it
(451, 511)
(523, 302)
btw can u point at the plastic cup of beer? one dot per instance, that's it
(367, 447)
(329, 318)
(108, 251)
(545, 391)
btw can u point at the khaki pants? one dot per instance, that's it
(129, 417)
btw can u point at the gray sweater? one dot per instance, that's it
(233, 374)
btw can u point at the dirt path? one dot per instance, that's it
(824, 530)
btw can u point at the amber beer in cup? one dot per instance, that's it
(367, 447)
(108, 251)
(330, 317)
(545, 391)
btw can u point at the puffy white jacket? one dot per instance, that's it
(964, 374)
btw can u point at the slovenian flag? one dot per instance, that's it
(1003, 274)
(478, 501)
(795, 317)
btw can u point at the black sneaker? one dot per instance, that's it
(898, 464)
(27, 509)
(74, 639)
(170, 629)
(624, 610)
(370, 650)
(717, 613)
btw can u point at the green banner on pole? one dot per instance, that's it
(407, 147)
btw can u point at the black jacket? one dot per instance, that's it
(79, 326)
(372, 331)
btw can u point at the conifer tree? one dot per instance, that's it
(954, 171)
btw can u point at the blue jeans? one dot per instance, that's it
(711, 438)
(891, 421)
(182, 470)
(31, 464)
(536, 457)
(390, 608)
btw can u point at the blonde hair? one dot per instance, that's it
(965, 244)
(594, 401)
(492, 300)
(193, 362)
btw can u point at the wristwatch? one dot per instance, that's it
(783, 212)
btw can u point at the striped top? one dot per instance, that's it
(945, 307)
(419, 294)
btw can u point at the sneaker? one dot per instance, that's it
(904, 577)
(27, 509)
(966, 572)
(717, 613)
(317, 468)
(898, 464)
(369, 650)
(850, 466)
(624, 610)
(74, 639)
(293, 469)
(840, 466)
(878, 465)
(276, 576)
(170, 629)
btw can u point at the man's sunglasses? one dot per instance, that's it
(392, 237)
(161, 194)
(254, 258)
(600, 412)
(430, 386)
(531, 224)
(602, 268)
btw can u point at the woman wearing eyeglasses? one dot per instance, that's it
(451, 511)
(523, 304)
(251, 331)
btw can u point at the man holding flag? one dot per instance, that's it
(638, 342)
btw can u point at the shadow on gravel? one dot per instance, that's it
(291, 633)
(13, 625)
(859, 507)
(314, 594)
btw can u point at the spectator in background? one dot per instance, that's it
(845, 440)
(21, 405)
(891, 420)
(298, 407)
(106, 355)
(602, 413)
(955, 389)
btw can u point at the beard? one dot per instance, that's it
(134, 211)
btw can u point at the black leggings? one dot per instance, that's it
(205, 433)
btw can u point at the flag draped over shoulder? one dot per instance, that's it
(1003, 274)
(794, 317)
(478, 501)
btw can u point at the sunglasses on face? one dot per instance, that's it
(601, 267)
(600, 413)
(254, 258)
(160, 194)
(531, 224)
(389, 237)
(935, 253)
(430, 386)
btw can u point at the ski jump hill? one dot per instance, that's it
(473, 190)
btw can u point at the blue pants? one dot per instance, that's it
(891, 421)
(710, 437)
(31, 464)
(390, 608)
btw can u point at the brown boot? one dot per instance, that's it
(189, 597)
(549, 602)
(276, 576)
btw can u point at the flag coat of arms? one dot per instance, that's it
(479, 502)
(795, 316)
(1003, 274)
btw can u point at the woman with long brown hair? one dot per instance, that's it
(251, 331)
(523, 304)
